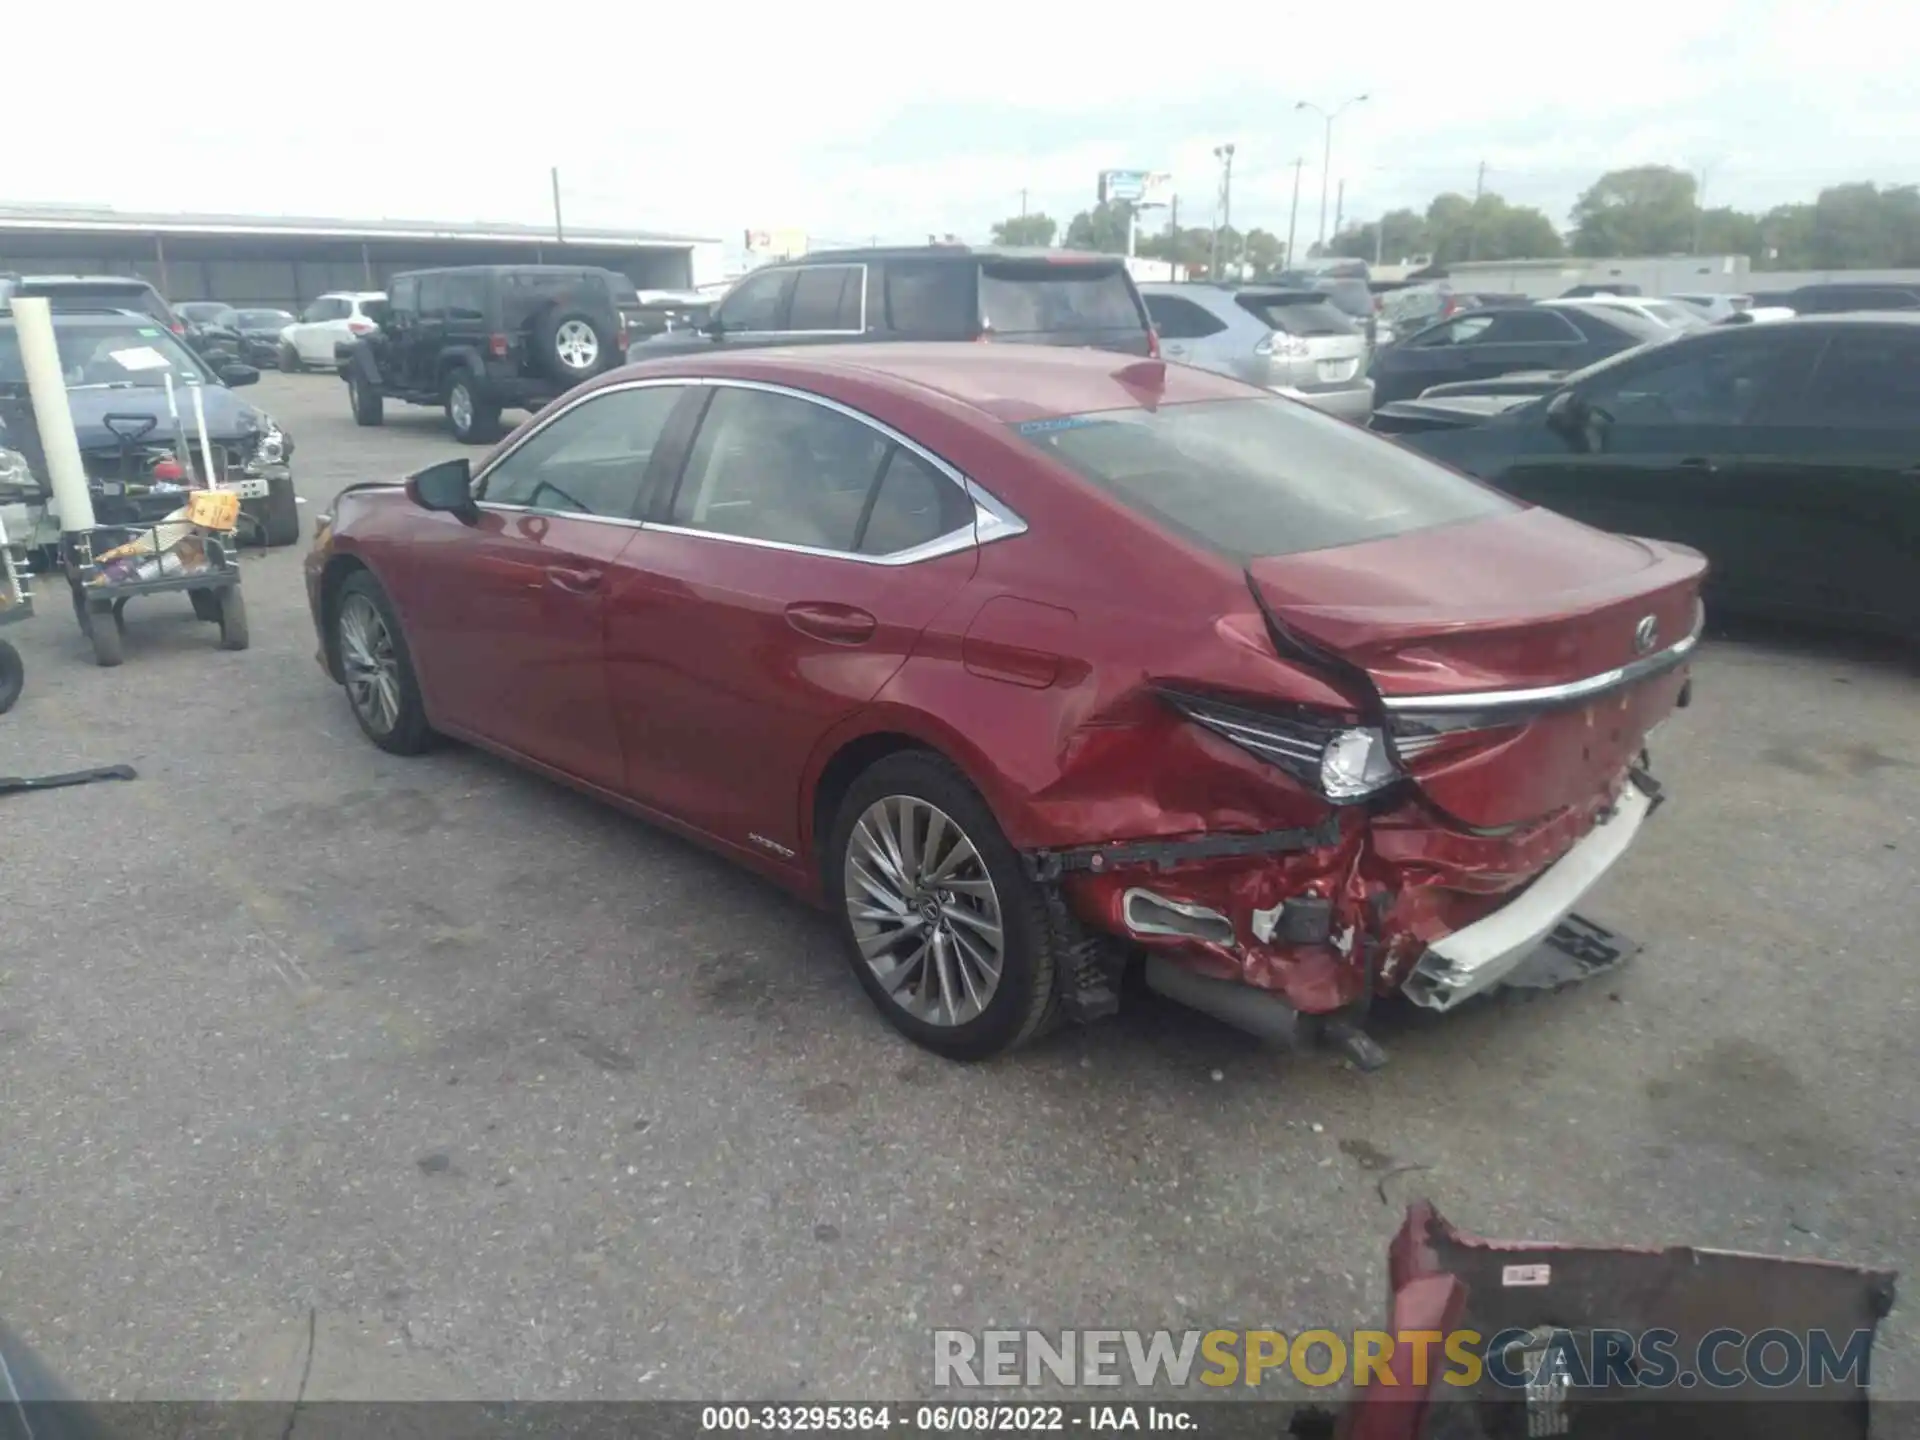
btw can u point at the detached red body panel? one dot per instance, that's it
(1123, 693)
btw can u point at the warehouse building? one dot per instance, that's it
(285, 261)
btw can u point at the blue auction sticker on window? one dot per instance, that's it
(1062, 422)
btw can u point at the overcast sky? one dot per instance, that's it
(851, 119)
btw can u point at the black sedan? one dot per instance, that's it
(1481, 344)
(260, 334)
(1788, 453)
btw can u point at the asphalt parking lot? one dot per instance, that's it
(430, 1079)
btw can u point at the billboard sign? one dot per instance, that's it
(1139, 188)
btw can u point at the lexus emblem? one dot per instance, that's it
(1645, 635)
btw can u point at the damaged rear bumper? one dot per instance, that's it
(1473, 960)
(1262, 929)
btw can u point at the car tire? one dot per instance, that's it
(278, 516)
(369, 405)
(472, 420)
(290, 363)
(13, 676)
(369, 641)
(102, 628)
(919, 795)
(206, 606)
(233, 619)
(573, 345)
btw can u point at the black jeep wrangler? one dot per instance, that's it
(479, 339)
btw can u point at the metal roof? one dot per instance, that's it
(106, 220)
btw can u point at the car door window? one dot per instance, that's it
(405, 296)
(592, 460)
(1527, 327)
(323, 309)
(1723, 384)
(778, 468)
(1869, 378)
(914, 505)
(829, 298)
(433, 296)
(1464, 331)
(1180, 319)
(757, 302)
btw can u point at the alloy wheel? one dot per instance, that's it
(460, 407)
(371, 667)
(577, 345)
(924, 911)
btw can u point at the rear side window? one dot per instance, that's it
(466, 297)
(1303, 315)
(1869, 377)
(914, 505)
(930, 297)
(1021, 298)
(1180, 319)
(757, 302)
(829, 298)
(1261, 476)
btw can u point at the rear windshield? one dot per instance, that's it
(1635, 324)
(263, 319)
(1019, 298)
(1261, 476)
(1303, 315)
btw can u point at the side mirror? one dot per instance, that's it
(234, 376)
(446, 487)
(1566, 414)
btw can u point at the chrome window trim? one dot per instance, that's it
(1549, 695)
(992, 519)
(798, 271)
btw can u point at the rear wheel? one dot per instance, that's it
(472, 420)
(290, 359)
(102, 627)
(278, 515)
(377, 669)
(206, 605)
(944, 930)
(573, 345)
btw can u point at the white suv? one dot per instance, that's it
(337, 316)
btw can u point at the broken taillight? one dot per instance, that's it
(359, 327)
(1343, 762)
(497, 344)
(167, 468)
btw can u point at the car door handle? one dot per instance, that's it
(1700, 463)
(574, 582)
(836, 624)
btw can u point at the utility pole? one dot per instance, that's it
(1702, 175)
(1293, 215)
(1473, 216)
(1223, 207)
(1380, 240)
(1173, 236)
(1326, 153)
(559, 231)
(1339, 206)
(1023, 204)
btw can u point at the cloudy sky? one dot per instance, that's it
(850, 119)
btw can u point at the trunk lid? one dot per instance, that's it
(1522, 659)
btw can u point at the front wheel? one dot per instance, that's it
(369, 405)
(279, 515)
(377, 668)
(233, 619)
(290, 359)
(944, 930)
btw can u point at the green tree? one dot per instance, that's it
(1395, 238)
(1262, 252)
(1103, 228)
(1726, 231)
(1036, 229)
(1644, 210)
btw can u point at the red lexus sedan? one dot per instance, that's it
(1029, 662)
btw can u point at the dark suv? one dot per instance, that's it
(928, 292)
(479, 339)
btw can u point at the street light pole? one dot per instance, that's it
(1326, 154)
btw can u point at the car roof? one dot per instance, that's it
(132, 282)
(582, 269)
(1006, 384)
(950, 252)
(1908, 318)
(99, 314)
(351, 295)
